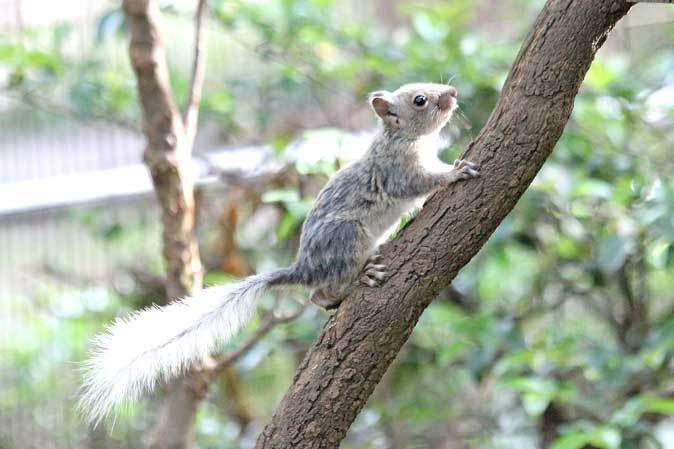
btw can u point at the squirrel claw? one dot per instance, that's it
(376, 257)
(373, 274)
(460, 163)
(466, 169)
(376, 271)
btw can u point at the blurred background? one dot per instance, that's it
(559, 334)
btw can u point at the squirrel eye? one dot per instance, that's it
(420, 100)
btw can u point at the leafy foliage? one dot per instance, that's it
(559, 332)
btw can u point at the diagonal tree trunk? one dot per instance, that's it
(167, 155)
(361, 339)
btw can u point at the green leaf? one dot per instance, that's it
(8, 52)
(602, 437)
(287, 225)
(220, 102)
(536, 385)
(111, 23)
(606, 437)
(281, 196)
(612, 253)
(575, 440)
(217, 278)
(629, 414)
(632, 411)
(299, 209)
(429, 29)
(280, 142)
(655, 404)
(535, 404)
(593, 188)
(599, 76)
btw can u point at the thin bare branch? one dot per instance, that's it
(191, 109)
(269, 322)
(45, 104)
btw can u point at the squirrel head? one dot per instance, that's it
(415, 109)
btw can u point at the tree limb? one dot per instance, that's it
(43, 103)
(269, 322)
(361, 339)
(191, 109)
(167, 155)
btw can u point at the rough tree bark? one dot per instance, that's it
(361, 339)
(167, 154)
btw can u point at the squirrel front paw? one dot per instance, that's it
(464, 169)
(373, 273)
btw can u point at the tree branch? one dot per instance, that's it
(361, 339)
(269, 322)
(191, 109)
(167, 155)
(37, 101)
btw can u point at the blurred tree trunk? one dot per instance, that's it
(361, 339)
(167, 155)
(387, 13)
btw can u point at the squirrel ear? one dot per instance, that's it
(381, 103)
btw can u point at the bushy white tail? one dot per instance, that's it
(160, 343)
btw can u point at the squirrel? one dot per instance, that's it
(338, 249)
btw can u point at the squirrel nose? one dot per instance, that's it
(447, 98)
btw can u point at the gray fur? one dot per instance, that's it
(337, 248)
(367, 198)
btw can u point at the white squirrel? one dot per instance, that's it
(337, 248)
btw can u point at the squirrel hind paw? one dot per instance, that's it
(327, 302)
